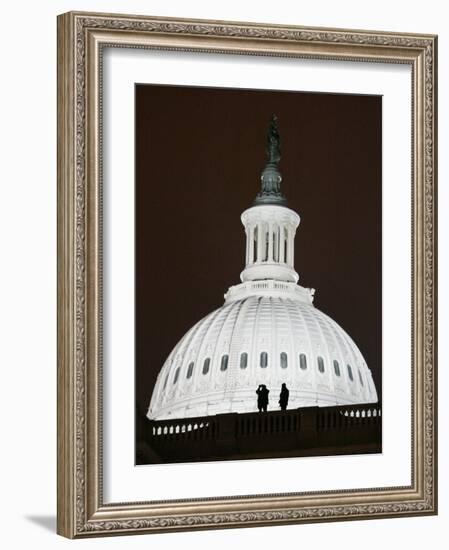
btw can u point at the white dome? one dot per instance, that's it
(267, 332)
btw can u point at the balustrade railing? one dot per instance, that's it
(319, 419)
(329, 418)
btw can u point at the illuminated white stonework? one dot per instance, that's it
(267, 332)
(270, 234)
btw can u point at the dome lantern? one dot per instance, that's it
(269, 225)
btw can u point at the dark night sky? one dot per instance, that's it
(199, 155)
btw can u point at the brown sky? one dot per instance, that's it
(199, 154)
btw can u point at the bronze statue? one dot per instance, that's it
(270, 192)
(273, 142)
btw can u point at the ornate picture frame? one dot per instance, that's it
(82, 39)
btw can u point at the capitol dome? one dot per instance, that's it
(267, 332)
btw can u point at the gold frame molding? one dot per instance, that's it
(81, 39)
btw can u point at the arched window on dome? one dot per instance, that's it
(264, 359)
(165, 381)
(224, 362)
(206, 365)
(190, 370)
(360, 377)
(320, 361)
(243, 360)
(175, 379)
(351, 377)
(284, 360)
(302, 361)
(336, 368)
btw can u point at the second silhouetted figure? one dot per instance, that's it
(283, 397)
(262, 397)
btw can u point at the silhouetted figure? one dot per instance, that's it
(283, 397)
(262, 398)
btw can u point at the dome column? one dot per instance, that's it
(250, 245)
(281, 245)
(290, 246)
(260, 241)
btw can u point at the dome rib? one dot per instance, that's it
(294, 353)
(312, 374)
(343, 371)
(201, 355)
(235, 348)
(255, 336)
(219, 342)
(326, 352)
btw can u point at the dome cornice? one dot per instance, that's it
(270, 287)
